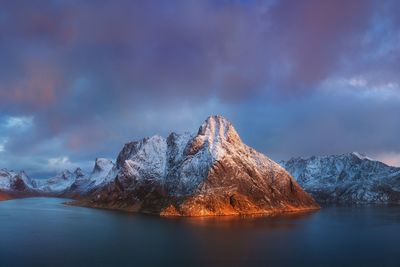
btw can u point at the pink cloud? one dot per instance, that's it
(390, 158)
(317, 34)
(37, 87)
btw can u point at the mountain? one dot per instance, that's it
(65, 183)
(59, 183)
(101, 174)
(209, 173)
(349, 178)
(11, 181)
(15, 185)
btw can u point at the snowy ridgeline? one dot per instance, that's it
(182, 161)
(206, 174)
(10, 180)
(179, 162)
(348, 178)
(65, 180)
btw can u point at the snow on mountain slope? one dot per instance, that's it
(6, 179)
(101, 174)
(210, 173)
(101, 171)
(12, 181)
(65, 183)
(348, 178)
(58, 183)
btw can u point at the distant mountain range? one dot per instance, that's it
(347, 179)
(15, 184)
(213, 173)
(208, 173)
(65, 183)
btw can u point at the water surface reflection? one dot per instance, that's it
(44, 232)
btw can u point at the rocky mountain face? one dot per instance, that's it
(59, 183)
(209, 173)
(15, 182)
(65, 183)
(102, 173)
(213, 173)
(347, 179)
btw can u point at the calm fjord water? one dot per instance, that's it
(44, 232)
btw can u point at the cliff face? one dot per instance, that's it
(64, 184)
(347, 179)
(84, 184)
(11, 181)
(210, 173)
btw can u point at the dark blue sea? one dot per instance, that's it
(45, 232)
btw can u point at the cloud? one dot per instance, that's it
(94, 75)
(230, 49)
(60, 163)
(366, 86)
(21, 123)
(12, 128)
(2, 143)
(357, 82)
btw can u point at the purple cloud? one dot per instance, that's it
(96, 74)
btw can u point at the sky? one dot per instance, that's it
(79, 79)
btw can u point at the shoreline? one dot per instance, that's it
(136, 209)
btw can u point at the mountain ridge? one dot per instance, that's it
(210, 173)
(350, 178)
(347, 178)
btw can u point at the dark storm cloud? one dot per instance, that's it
(230, 48)
(95, 74)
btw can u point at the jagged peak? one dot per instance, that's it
(294, 159)
(102, 164)
(66, 171)
(217, 128)
(4, 170)
(174, 135)
(12, 172)
(64, 174)
(101, 161)
(214, 135)
(351, 156)
(360, 156)
(154, 138)
(79, 172)
(146, 140)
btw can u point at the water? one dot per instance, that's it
(44, 232)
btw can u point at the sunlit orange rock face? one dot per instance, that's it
(234, 190)
(211, 173)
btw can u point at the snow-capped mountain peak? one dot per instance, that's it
(210, 173)
(102, 165)
(346, 178)
(13, 181)
(214, 135)
(218, 129)
(79, 173)
(146, 149)
(59, 183)
(361, 156)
